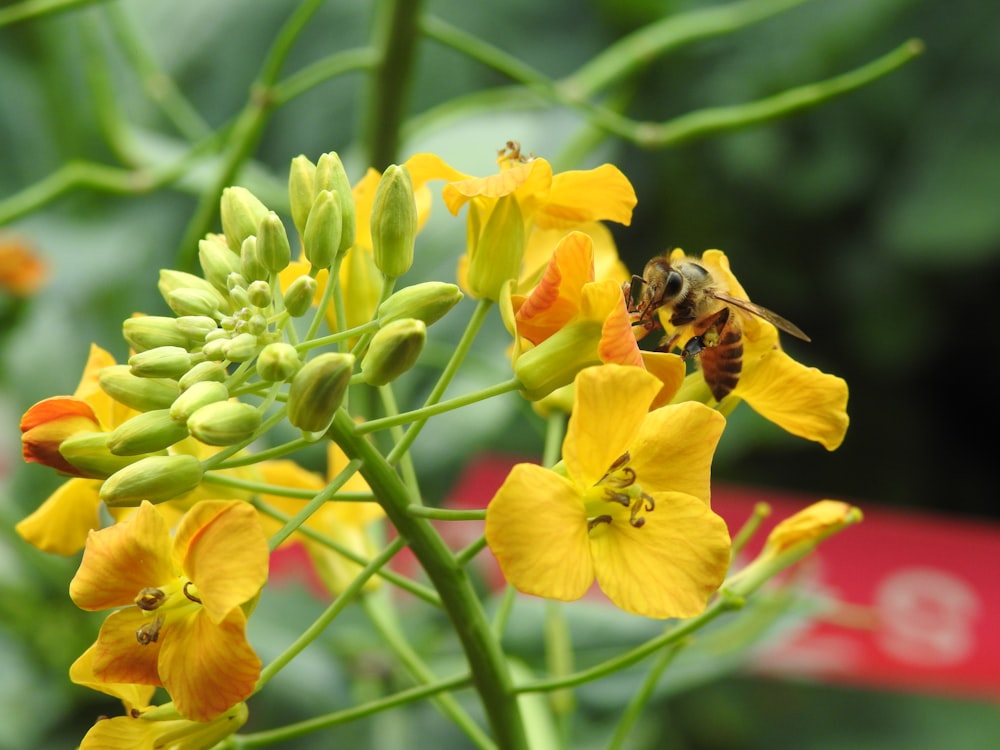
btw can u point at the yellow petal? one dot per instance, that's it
(597, 194)
(673, 450)
(131, 695)
(121, 560)
(123, 733)
(224, 552)
(608, 410)
(670, 566)
(537, 529)
(61, 523)
(526, 180)
(424, 167)
(208, 668)
(811, 525)
(804, 401)
(670, 370)
(118, 657)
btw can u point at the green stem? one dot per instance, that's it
(464, 556)
(275, 451)
(446, 514)
(329, 67)
(634, 709)
(746, 532)
(486, 659)
(32, 8)
(320, 499)
(395, 35)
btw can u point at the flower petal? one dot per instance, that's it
(206, 667)
(120, 560)
(580, 196)
(609, 407)
(221, 546)
(673, 450)
(120, 658)
(671, 565)
(537, 529)
(556, 299)
(61, 523)
(45, 425)
(134, 696)
(527, 180)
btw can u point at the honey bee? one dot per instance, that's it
(696, 298)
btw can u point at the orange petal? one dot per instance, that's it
(208, 668)
(618, 344)
(132, 695)
(61, 523)
(224, 552)
(119, 658)
(22, 271)
(45, 425)
(121, 560)
(536, 527)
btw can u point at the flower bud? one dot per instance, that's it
(146, 433)
(317, 390)
(499, 250)
(394, 222)
(299, 295)
(321, 242)
(277, 362)
(196, 396)
(196, 327)
(428, 302)
(224, 423)
(161, 362)
(150, 331)
(141, 394)
(241, 213)
(240, 348)
(173, 281)
(272, 243)
(203, 372)
(393, 350)
(251, 266)
(301, 191)
(89, 453)
(217, 260)
(214, 349)
(240, 299)
(556, 361)
(330, 175)
(194, 302)
(259, 294)
(155, 478)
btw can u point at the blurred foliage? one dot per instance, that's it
(869, 221)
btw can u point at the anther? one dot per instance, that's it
(150, 632)
(149, 599)
(594, 521)
(189, 595)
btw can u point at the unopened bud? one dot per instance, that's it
(241, 347)
(321, 241)
(394, 222)
(499, 251)
(300, 295)
(196, 327)
(277, 362)
(161, 362)
(194, 302)
(224, 423)
(301, 191)
(89, 452)
(150, 331)
(196, 396)
(259, 294)
(155, 478)
(173, 281)
(318, 389)
(331, 175)
(217, 260)
(203, 372)
(428, 302)
(141, 394)
(146, 433)
(251, 267)
(272, 243)
(241, 213)
(393, 350)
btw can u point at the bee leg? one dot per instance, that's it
(668, 343)
(693, 347)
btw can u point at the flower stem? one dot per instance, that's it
(635, 706)
(486, 659)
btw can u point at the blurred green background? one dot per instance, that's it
(871, 222)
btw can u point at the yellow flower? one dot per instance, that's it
(347, 523)
(181, 624)
(802, 400)
(629, 506)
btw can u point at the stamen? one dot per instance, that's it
(189, 595)
(149, 599)
(150, 632)
(594, 521)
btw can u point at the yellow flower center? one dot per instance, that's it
(620, 487)
(161, 603)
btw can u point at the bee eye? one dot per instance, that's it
(673, 285)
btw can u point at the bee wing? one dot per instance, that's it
(762, 312)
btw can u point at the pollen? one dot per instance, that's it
(620, 486)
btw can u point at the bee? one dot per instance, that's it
(698, 299)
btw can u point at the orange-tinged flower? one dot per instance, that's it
(22, 271)
(148, 733)
(629, 505)
(182, 625)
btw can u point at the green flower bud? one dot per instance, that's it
(277, 362)
(155, 478)
(317, 390)
(196, 327)
(202, 372)
(556, 361)
(330, 175)
(89, 452)
(240, 348)
(172, 281)
(235, 280)
(217, 261)
(194, 302)
(301, 191)
(240, 300)
(259, 293)
(321, 241)
(224, 423)
(251, 267)
(241, 214)
(499, 250)
(300, 295)
(146, 433)
(428, 302)
(196, 396)
(141, 394)
(272, 243)
(161, 362)
(150, 331)
(394, 222)
(393, 350)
